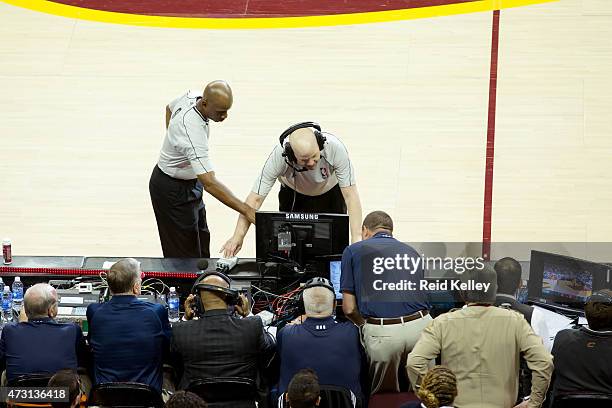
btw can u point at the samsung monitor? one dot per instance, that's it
(300, 238)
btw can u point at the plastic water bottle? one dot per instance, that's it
(7, 305)
(17, 290)
(173, 305)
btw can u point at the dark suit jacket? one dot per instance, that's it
(41, 346)
(220, 345)
(128, 338)
(525, 310)
(582, 361)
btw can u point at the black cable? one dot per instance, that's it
(294, 190)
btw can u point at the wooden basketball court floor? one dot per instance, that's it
(82, 121)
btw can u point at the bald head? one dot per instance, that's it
(40, 301)
(216, 101)
(211, 299)
(305, 147)
(318, 302)
(215, 280)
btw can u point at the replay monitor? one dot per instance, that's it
(300, 239)
(565, 281)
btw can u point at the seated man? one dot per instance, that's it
(508, 283)
(40, 344)
(481, 344)
(128, 337)
(330, 348)
(582, 356)
(67, 379)
(219, 344)
(303, 390)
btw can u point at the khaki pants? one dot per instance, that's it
(387, 348)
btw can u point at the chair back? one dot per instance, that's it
(582, 400)
(29, 380)
(125, 395)
(225, 389)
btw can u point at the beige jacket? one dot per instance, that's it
(482, 346)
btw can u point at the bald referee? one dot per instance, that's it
(316, 176)
(184, 170)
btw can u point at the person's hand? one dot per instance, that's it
(189, 307)
(231, 247)
(523, 404)
(243, 307)
(250, 214)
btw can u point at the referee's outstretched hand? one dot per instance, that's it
(231, 247)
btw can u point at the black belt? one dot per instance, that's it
(397, 320)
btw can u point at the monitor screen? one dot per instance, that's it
(300, 238)
(334, 277)
(563, 280)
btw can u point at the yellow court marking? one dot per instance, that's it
(265, 22)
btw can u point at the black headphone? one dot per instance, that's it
(288, 153)
(313, 283)
(232, 297)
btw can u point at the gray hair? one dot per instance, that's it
(484, 275)
(123, 275)
(318, 302)
(38, 299)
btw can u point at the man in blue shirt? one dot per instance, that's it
(330, 348)
(380, 283)
(128, 337)
(40, 344)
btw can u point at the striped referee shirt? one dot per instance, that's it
(184, 153)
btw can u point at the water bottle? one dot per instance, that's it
(17, 290)
(173, 305)
(7, 312)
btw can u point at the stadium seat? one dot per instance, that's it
(29, 380)
(223, 389)
(582, 400)
(125, 395)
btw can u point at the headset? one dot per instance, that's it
(288, 153)
(232, 297)
(313, 283)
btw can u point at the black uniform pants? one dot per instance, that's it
(331, 202)
(180, 215)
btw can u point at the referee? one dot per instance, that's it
(316, 176)
(184, 170)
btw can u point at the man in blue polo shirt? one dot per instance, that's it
(321, 343)
(380, 285)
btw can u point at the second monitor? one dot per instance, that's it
(301, 239)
